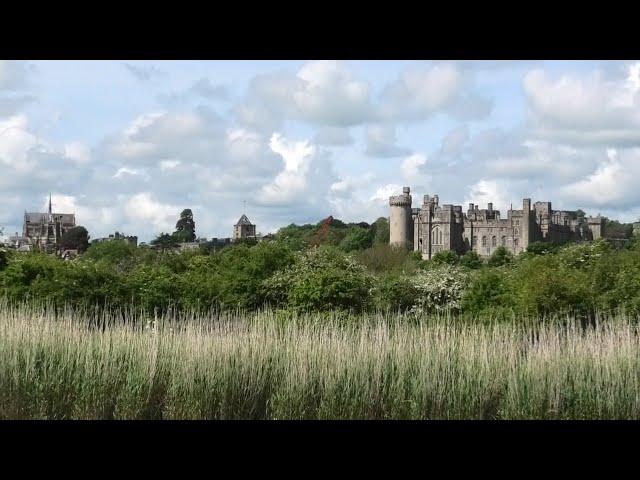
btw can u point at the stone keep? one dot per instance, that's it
(433, 228)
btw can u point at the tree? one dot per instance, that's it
(501, 256)
(76, 238)
(185, 227)
(381, 228)
(165, 241)
(357, 239)
(615, 229)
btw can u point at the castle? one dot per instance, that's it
(433, 228)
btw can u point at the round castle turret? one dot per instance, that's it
(400, 220)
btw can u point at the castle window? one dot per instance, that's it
(484, 241)
(436, 236)
(517, 222)
(503, 241)
(493, 241)
(515, 242)
(516, 232)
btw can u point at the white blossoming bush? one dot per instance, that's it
(582, 255)
(439, 289)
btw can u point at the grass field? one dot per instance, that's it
(259, 366)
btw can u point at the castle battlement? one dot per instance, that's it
(400, 201)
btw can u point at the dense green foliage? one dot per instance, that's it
(76, 238)
(616, 229)
(332, 266)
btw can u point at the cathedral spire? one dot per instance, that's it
(50, 203)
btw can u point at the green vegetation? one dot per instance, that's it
(76, 238)
(615, 229)
(331, 266)
(313, 366)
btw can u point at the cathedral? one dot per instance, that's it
(43, 230)
(433, 228)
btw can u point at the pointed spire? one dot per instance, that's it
(50, 203)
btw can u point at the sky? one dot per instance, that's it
(126, 145)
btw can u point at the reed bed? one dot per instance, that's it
(84, 365)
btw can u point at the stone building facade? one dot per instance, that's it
(244, 228)
(432, 227)
(130, 239)
(43, 231)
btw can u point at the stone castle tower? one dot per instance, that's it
(433, 228)
(401, 221)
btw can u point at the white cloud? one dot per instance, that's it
(418, 94)
(144, 208)
(347, 186)
(126, 171)
(383, 193)
(330, 95)
(381, 141)
(334, 136)
(412, 167)
(490, 191)
(590, 109)
(169, 164)
(17, 143)
(292, 180)
(455, 140)
(612, 185)
(77, 152)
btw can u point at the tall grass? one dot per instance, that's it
(259, 365)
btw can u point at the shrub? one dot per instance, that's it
(388, 259)
(543, 248)
(438, 289)
(471, 260)
(487, 291)
(448, 257)
(116, 252)
(395, 292)
(500, 256)
(320, 279)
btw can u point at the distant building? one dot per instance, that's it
(244, 229)
(433, 228)
(19, 243)
(130, 239)
(44, 230)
